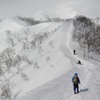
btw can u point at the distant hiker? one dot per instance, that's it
(74, 51)
(76, 83)
(79, 62)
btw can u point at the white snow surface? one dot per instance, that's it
(56, 62)
(10, 25)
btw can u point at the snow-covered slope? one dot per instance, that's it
(45, 62)
(38, 47)
(19, 21)
(61, 87)
(7, 26)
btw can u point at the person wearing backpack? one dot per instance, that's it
(76, 82)
(74, 51)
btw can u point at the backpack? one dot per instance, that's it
(75, 80)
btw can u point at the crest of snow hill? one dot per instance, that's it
(21, 44)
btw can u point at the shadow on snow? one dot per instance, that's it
(84, 90)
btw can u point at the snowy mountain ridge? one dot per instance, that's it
(41, 16)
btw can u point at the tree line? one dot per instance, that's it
(87, 34)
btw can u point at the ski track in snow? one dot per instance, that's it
(61, 88)
(85, 67)
(86, 71)
(67, 50)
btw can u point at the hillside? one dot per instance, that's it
(39, 63)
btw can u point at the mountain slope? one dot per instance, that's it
(47, 59)
(61, 87)
(38, 50)
(43, 62)
(7, 26)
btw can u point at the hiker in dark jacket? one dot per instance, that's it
(74, 52)
(79, 62)
(76, 82)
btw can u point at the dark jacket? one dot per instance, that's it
(78, 80)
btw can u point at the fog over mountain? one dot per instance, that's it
(61, 8)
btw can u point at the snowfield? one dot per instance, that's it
(51, 64)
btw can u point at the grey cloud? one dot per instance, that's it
(10, 8)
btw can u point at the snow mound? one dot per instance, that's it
(19, 21)
(9, 24)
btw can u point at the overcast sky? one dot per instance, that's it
(60, 8)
